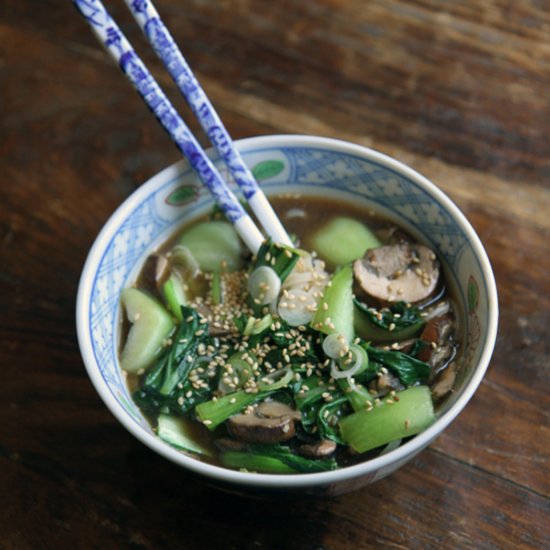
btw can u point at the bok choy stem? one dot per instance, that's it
(405, 414)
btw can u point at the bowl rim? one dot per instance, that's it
(285, 481)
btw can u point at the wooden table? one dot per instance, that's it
(458, 90)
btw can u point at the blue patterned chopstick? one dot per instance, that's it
(110, 35)
(164, 45)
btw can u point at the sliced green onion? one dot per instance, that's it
(262, 324)
(275, 380)
(360, 363)
(249, 326)
(298, 308)
(216, 288)
(335, 346)
(264, 285)
(241, 371)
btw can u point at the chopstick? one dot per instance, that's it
(120, 49)
(162, 42)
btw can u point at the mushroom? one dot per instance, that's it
(255, 429)
(276, 409)
(270, 422)
(444, 382)
(320, 449)
(155, 270)
(392, 235)
(385, 382)
(400, 272)
(436, 333)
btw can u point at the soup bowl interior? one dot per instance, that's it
(308, 166)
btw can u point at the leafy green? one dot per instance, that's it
(400, 315)
(166, 386)
(298, 463)
(240, 460)
(281, 258)
(410, 370)
(328, 416)
(398, 322)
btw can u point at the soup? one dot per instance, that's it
(296, 360)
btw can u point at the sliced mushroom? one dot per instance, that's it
(404, 345)
(155, 271)
(385, 382)
(392, 235)
(444, 382)
(401, 272)
(256, 429)
(436, 333)
(320, 449)
(276, 409)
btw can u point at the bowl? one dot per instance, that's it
(298, 164)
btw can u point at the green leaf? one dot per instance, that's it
(267, 169)
(372, 324)
(409, 369)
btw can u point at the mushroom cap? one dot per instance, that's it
(256, 429)
(320, 449)
(276, 409)
(400, 272)
(155, 271)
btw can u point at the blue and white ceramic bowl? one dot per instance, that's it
(308, 165)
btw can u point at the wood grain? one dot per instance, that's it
(458, 90)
